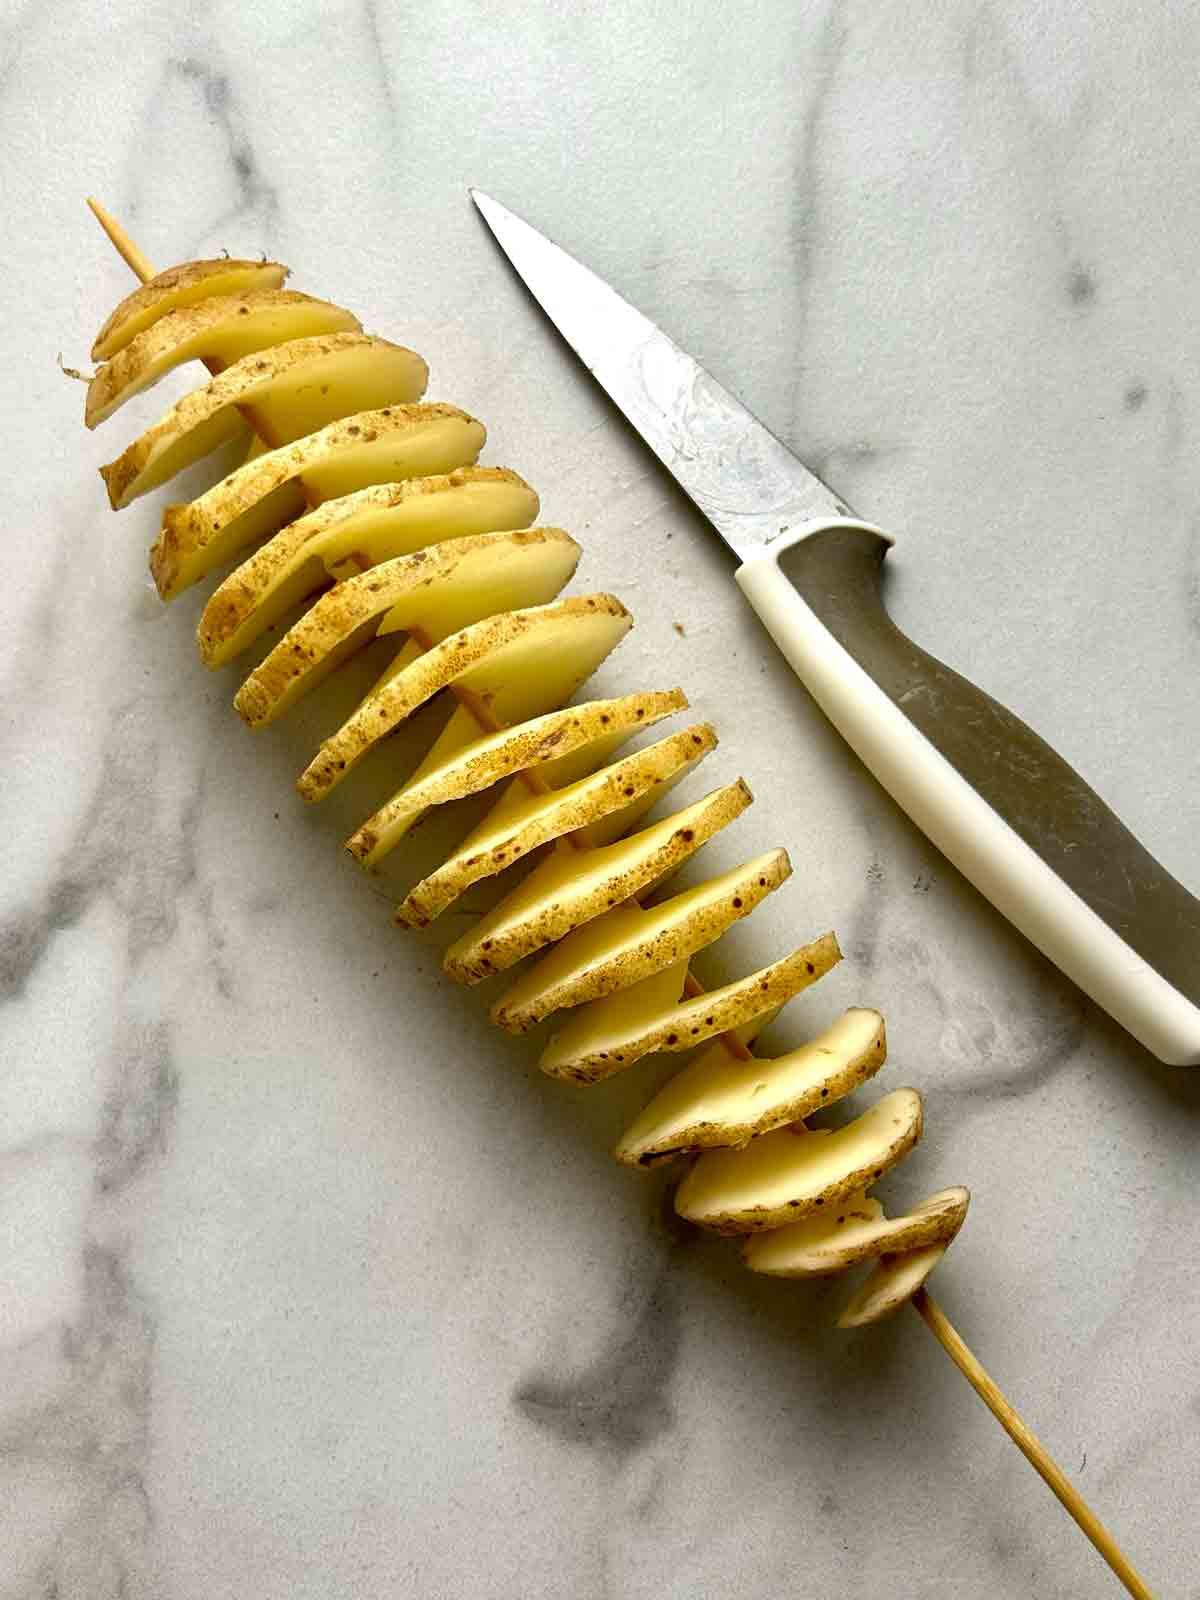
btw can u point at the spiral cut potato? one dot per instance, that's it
(362, 501)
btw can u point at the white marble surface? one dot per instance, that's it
(312, 1286)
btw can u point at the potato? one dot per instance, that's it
(371, 447)
(716, 1101)
(523, 821)
(624, 945)
(360, 491)
(788, 1173)
(611, 1034)
(293, 388)
(443, 590)
(517, 664)
(892, 1283)
(182, 286)
(222, 329)
(462, 763)
(350, 534)
(855, 1230)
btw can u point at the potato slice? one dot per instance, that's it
(465, 580)
(295, 388)
(524, 821)
(605, 827)
(788, 1173)
(179, 286)
(628, 943)
(373, 447)
(444, 590)
(631, 1011)
(582, 761)
(854, 1231)
(568, 889)
(462, 763)
(349, 535)
(715, 1101)
(517, 665)
(610, 823)
(224, 328)
(613, 1033)
(891, 1283)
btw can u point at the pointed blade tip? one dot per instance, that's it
(484, 203)
(605, 330)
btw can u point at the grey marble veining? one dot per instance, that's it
(310, 1284)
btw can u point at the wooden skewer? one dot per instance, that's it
(923, 1303)
(1027, 1442)
(139, 264)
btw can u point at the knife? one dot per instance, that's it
(996, 799)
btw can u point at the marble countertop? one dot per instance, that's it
(313, 1286)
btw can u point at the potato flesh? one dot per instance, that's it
(784, 1175)
(356, 373)
(444, 439)
(714, 1102)
(176, 287)
(384, 446)
(475, 578)
(519, 665)
(544, 665)
(295, 388)
(222, 329)
(522, 821)
(443, 590)
(609, 1035)
(628, 943)
(351, 534)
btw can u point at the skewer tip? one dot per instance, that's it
(138, 263)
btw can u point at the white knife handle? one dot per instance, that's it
(998, 801)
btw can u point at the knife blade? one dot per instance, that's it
(999, 802)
